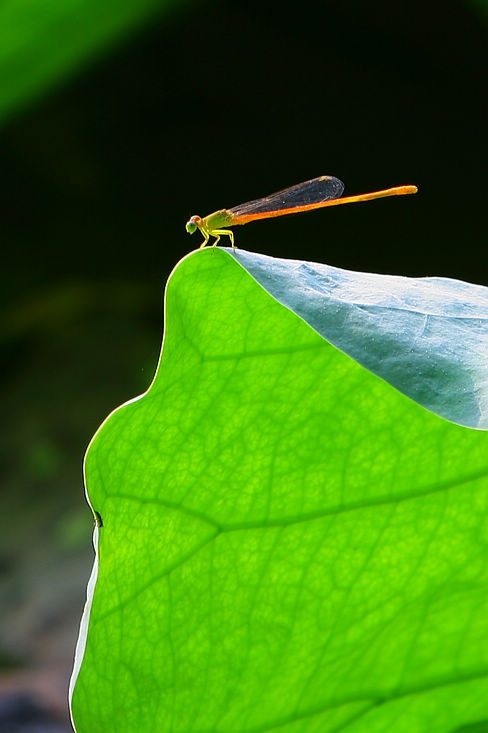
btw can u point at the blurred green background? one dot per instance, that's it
(119, 121)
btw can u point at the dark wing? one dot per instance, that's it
(314, 191)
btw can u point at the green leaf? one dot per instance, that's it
(44, 40)
(288, 542)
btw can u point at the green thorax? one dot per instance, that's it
(221, 218)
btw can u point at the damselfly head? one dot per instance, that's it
(192, 224)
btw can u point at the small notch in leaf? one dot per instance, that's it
(98, 519)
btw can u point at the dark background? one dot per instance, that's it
(206, 108)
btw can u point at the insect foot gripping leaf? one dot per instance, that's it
(289, 543)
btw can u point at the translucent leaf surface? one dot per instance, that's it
(288, 542)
